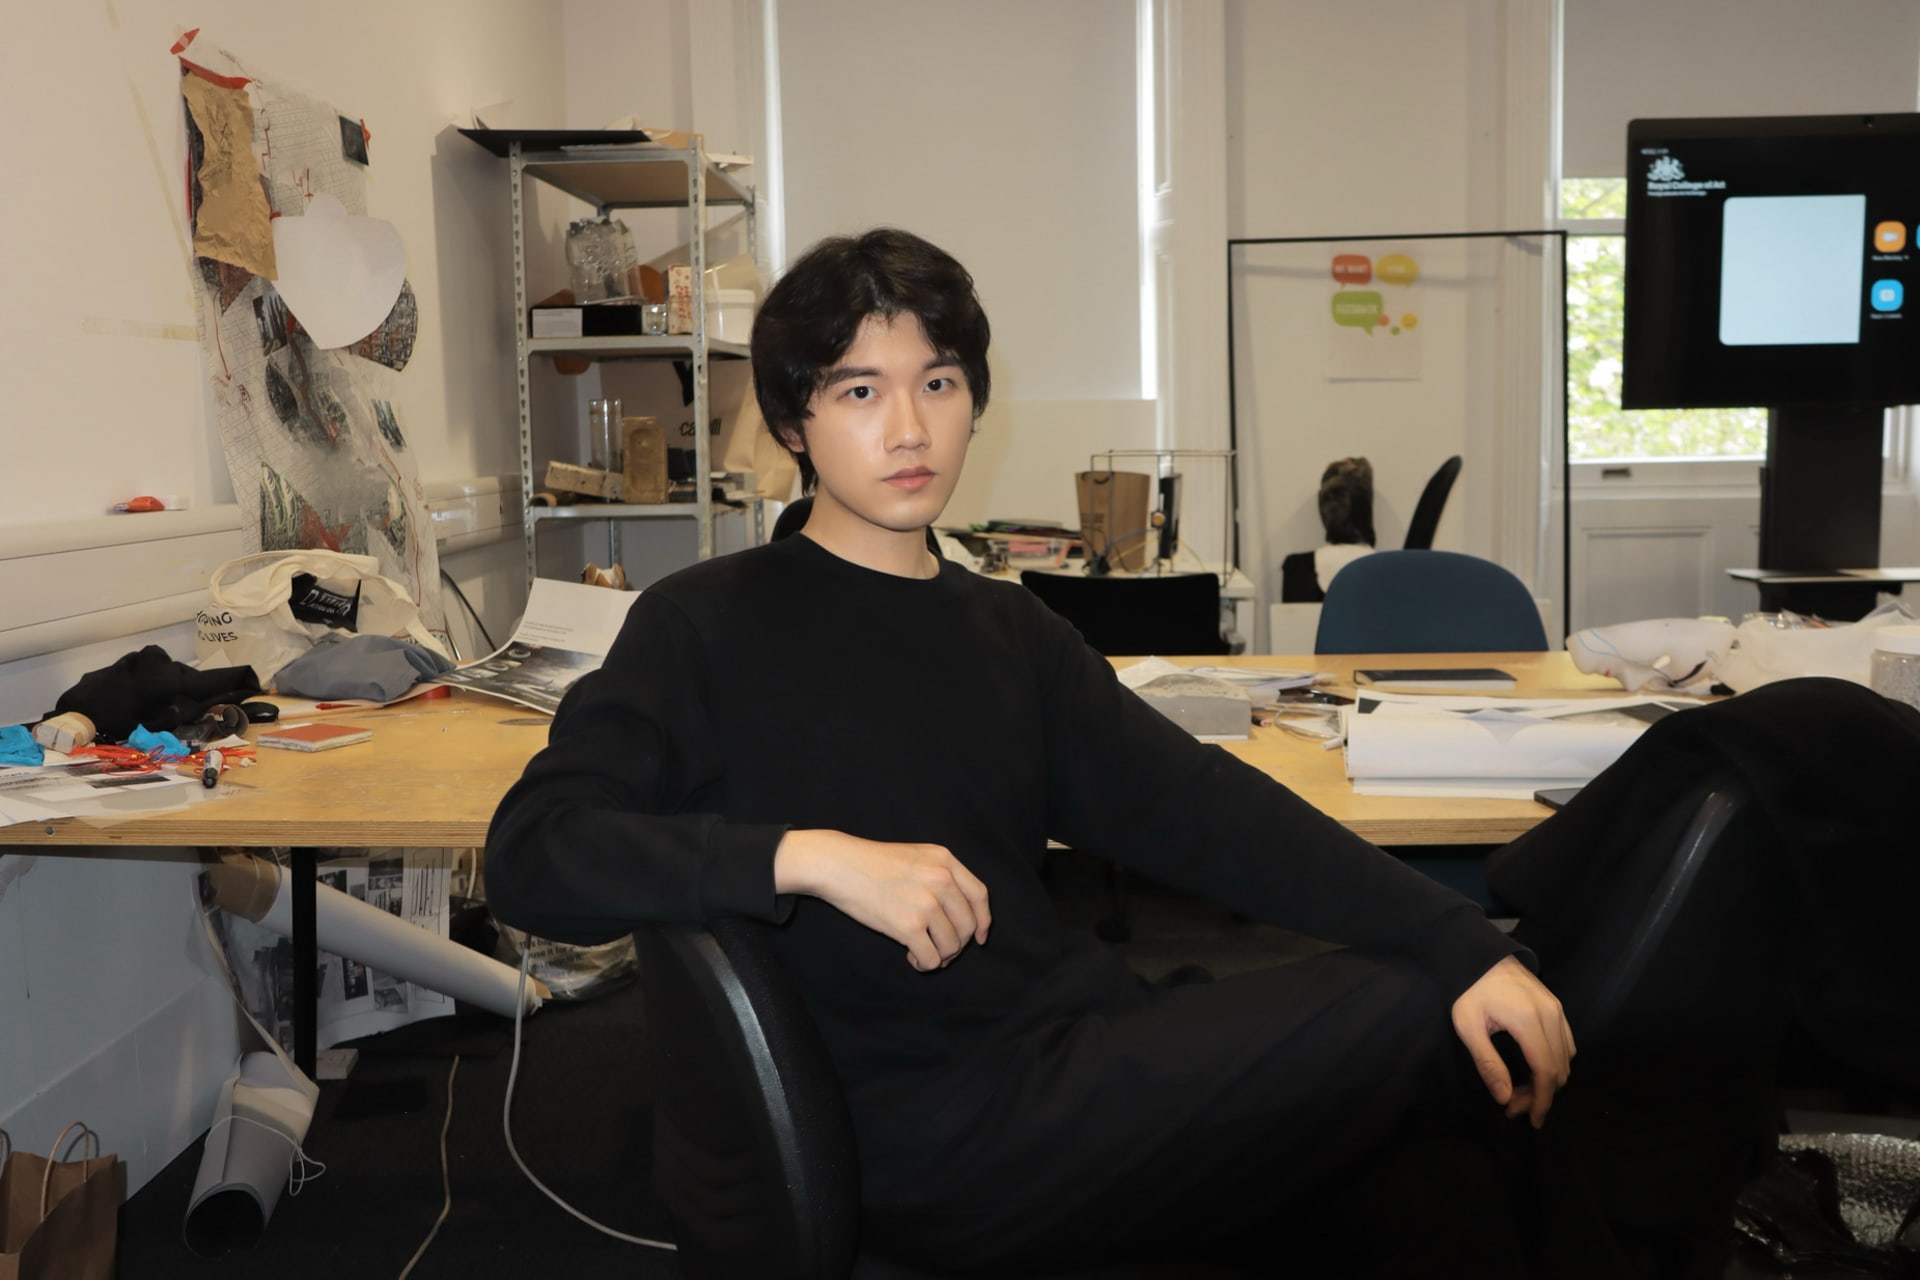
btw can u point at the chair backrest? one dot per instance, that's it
(1663, 913)
(1175, 613)
(1433, 501)
(753, 1147)
(1427, 602)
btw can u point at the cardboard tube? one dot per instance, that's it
(256, 888)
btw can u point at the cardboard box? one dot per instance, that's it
(1113, 516)
(643, 454)
(680, 298)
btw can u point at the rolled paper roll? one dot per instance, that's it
(256, 888)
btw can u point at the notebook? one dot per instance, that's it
(1463, 678)
(313, 736)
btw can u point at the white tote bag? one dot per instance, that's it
(266, 609)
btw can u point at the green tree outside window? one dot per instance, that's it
(1598, 429)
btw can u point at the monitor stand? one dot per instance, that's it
(1820, 504)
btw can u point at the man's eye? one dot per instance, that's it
(939, 384)
(860, 393)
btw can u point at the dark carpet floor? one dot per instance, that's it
(581, 1120)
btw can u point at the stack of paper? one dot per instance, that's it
(1503, 748)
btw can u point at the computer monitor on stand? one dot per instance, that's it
(1768, 263)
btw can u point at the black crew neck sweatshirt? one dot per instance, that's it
(784, 687)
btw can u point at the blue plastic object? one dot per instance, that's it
(17, 746)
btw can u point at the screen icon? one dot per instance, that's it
(1887, 295)
(1889, 237)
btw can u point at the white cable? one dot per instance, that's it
(446, 1179)
(506, 1122)
(297, 1160)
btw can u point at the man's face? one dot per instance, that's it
(889, 431)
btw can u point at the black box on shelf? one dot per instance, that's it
(600, 320)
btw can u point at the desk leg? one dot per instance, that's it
(306, 962)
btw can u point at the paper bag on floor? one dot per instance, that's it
(59, 1217)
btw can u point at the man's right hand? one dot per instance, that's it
(917, 894)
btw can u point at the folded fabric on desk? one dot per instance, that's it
(376, 668)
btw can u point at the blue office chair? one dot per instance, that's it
(1427, 602)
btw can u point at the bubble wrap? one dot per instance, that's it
(1879, 1178)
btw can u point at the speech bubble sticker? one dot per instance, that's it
(1397, 268)
(1357, 309)
(1352, 268)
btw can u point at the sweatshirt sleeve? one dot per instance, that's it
(595, 838)
(1127, 783)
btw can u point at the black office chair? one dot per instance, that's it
(753, 1148)
(1428, 602)
(1614, 936)
(1176, 613)
(1433, 501)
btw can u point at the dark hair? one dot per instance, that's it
(812, 316)
(1346, 500)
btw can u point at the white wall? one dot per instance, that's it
(1004, 132)
(107, 1010)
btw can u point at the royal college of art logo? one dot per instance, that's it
(1666, 169)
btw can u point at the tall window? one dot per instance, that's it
(1598, 429)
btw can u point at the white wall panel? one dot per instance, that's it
(1001, 130)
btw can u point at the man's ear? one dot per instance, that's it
(793, 438)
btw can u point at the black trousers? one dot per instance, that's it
(1321, 1109)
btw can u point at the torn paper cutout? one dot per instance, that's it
(392, 343)
(231, 220)
(224, 278)
(340, 275)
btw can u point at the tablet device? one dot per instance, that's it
(1555, 797)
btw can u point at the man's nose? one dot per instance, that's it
(905, 428)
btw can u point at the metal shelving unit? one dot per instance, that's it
(613, 171)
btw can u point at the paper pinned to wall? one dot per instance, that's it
(316, 438)
(231, 220)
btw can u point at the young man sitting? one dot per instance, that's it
(869, 747)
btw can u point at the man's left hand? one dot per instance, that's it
(1509, 998)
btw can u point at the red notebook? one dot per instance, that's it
(313, 736)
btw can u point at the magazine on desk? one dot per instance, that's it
(565, 633)
(1495, 748)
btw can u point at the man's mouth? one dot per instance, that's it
(912, 479)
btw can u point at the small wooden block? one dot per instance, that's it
(567, 477)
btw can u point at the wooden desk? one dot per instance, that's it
(434, 771)
(430, 777)
(1319, 776)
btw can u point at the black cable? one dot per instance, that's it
(471, 611)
